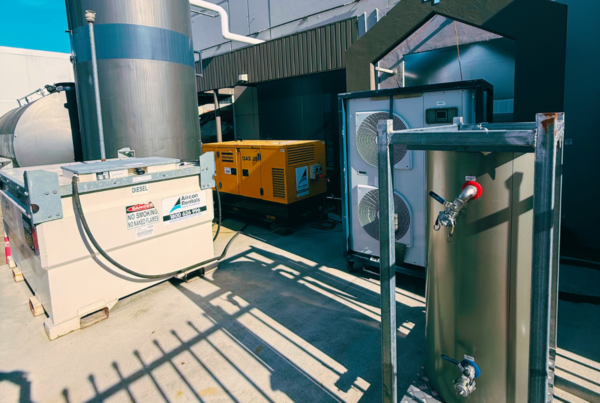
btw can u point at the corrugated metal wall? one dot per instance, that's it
(314, 51)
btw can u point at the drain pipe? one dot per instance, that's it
(225, 22)
(90, 16)
(217, 117)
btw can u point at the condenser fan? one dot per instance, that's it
(368, 214)
(366, 138)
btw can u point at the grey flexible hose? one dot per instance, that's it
(88, 232)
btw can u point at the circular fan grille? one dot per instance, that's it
(366, 138)
(368, 214)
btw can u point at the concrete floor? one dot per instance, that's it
(279, 321)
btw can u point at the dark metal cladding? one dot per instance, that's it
(316, 50)
(146, 76)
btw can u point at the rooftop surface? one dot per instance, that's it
(280, 320)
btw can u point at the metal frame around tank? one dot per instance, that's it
(483, 111)
(544, 137)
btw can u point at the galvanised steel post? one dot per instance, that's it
(90, 17)
(546, 207)
(387, 260)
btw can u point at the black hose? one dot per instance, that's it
(219, 202)
(86, 228)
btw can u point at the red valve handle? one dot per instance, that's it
(477, 186)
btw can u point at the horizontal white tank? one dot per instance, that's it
(41, 132)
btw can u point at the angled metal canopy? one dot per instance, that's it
(539, 28)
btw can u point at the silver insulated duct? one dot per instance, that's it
(145, 73)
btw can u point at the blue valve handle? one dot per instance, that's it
(452, 360)
(442, 201)
(464, 363)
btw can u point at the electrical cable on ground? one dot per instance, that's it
(88, 232)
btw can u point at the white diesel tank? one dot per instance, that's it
(84, 235)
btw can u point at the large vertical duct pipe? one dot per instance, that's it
(145, 73)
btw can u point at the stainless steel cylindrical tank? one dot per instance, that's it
(146, 77)
(479, 284)
(42, 132)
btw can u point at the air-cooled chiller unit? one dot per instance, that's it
(409, 108)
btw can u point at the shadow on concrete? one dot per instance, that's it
(18, 378)
(313, 328)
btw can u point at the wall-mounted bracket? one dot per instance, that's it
(207, 170)
(44, 196)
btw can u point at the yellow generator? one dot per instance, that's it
(274, 179)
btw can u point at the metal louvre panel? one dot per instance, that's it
(301, 155)
(278, 182)
(314, 51)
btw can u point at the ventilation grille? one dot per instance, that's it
(368, 214)
(279, 183)
(366, 138)
(301, 155)
(227, 157)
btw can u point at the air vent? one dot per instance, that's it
(279, 183)
(368, 214)
(227, 157)
(301, 155)
(366, 138)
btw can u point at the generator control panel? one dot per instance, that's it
(316, 171)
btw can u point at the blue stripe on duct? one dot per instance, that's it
(129, 41)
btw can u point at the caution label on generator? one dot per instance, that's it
(301, 181)
(140, 215)
(184, 207)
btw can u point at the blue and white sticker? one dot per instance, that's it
(184, 207)
(301, 181)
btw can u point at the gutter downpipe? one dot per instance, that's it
(90, 16)
(217, 117)
(225, 22)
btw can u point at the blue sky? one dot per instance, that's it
(34, 24)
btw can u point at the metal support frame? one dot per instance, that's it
(547, 186)
(545, 139)
(387, 261)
